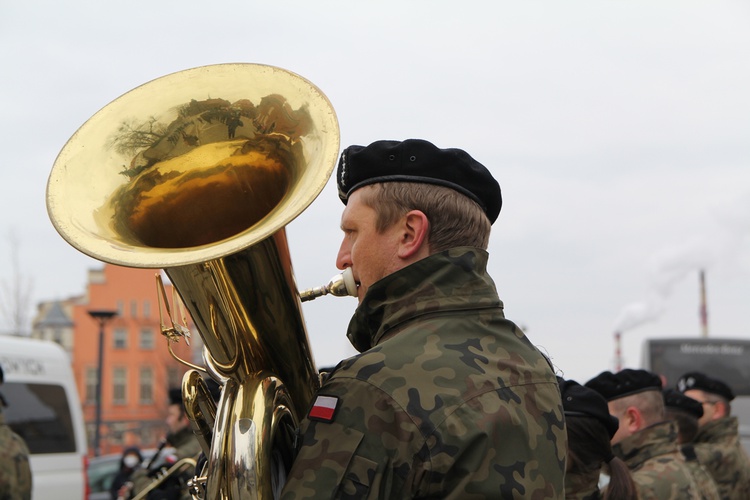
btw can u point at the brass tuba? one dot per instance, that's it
(198, 173)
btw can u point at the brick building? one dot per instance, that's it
(137, 369)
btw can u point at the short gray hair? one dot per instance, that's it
(455, 219)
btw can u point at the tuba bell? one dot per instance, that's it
(197, 173)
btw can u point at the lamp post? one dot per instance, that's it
(102, 317)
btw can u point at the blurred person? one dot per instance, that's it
(685, 412)
(179, 443)
(130, 461)
(590, 428)
(15, 471)
(717, 442)
(447, 398)
(645, 440)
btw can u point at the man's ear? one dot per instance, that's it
(721, 409)
(633, 419)
(414, 241)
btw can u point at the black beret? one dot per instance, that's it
(581, 401)
(416, 160)
(697, 380)
(175, 396)
(675, 400)
(624, 383)
(2, 375)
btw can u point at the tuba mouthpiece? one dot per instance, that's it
(341, 285)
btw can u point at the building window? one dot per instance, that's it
(119, 385)
(117, 431)
(133, 308)
(57, 336)
(91, 381)
(120, 338)
(146, 339)
(146, 391)
(146, 309)
(120, 308)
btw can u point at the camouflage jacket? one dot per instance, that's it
(15, 472)
(658, 468)
(447, 400)
(701, 476)
(718, 447)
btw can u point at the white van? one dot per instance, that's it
(44, 409)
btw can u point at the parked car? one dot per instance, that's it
(102, 471)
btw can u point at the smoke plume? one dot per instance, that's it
(725, 244)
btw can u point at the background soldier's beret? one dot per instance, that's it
(675, 400)
(581, 401)
(175, 396)
(624, 383)
(698, 380)
(416, 160)
(2, 375)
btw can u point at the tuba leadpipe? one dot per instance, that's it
(198, 173)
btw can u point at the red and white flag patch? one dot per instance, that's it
(324, 408)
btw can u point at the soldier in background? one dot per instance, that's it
(448, 399)
(179, 443)
(15, 471)
(685, 412)
(644, 440)
(590, 428)
(717, 442)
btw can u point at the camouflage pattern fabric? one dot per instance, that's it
(582, 486)
(656, 464)
(703, 479)
(447, 400)
(15, 472)
(718, 447)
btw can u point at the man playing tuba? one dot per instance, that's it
(180, 443)
(447, 399)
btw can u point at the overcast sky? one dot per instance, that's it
(619, 133)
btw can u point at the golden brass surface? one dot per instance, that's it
(198, 173)
(193, 166)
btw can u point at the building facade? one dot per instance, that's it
(54, 321)
(137, 369)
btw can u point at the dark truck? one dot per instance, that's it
(727, 359)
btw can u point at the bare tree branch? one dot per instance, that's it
(15, 293)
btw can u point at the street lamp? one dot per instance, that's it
(102, 317)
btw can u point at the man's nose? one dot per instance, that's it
(343, 259)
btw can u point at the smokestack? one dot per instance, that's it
(703, 307)
(618, 353)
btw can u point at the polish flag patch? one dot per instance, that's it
(323, 408)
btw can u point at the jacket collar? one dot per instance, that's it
(658, 439)
(455, 279)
